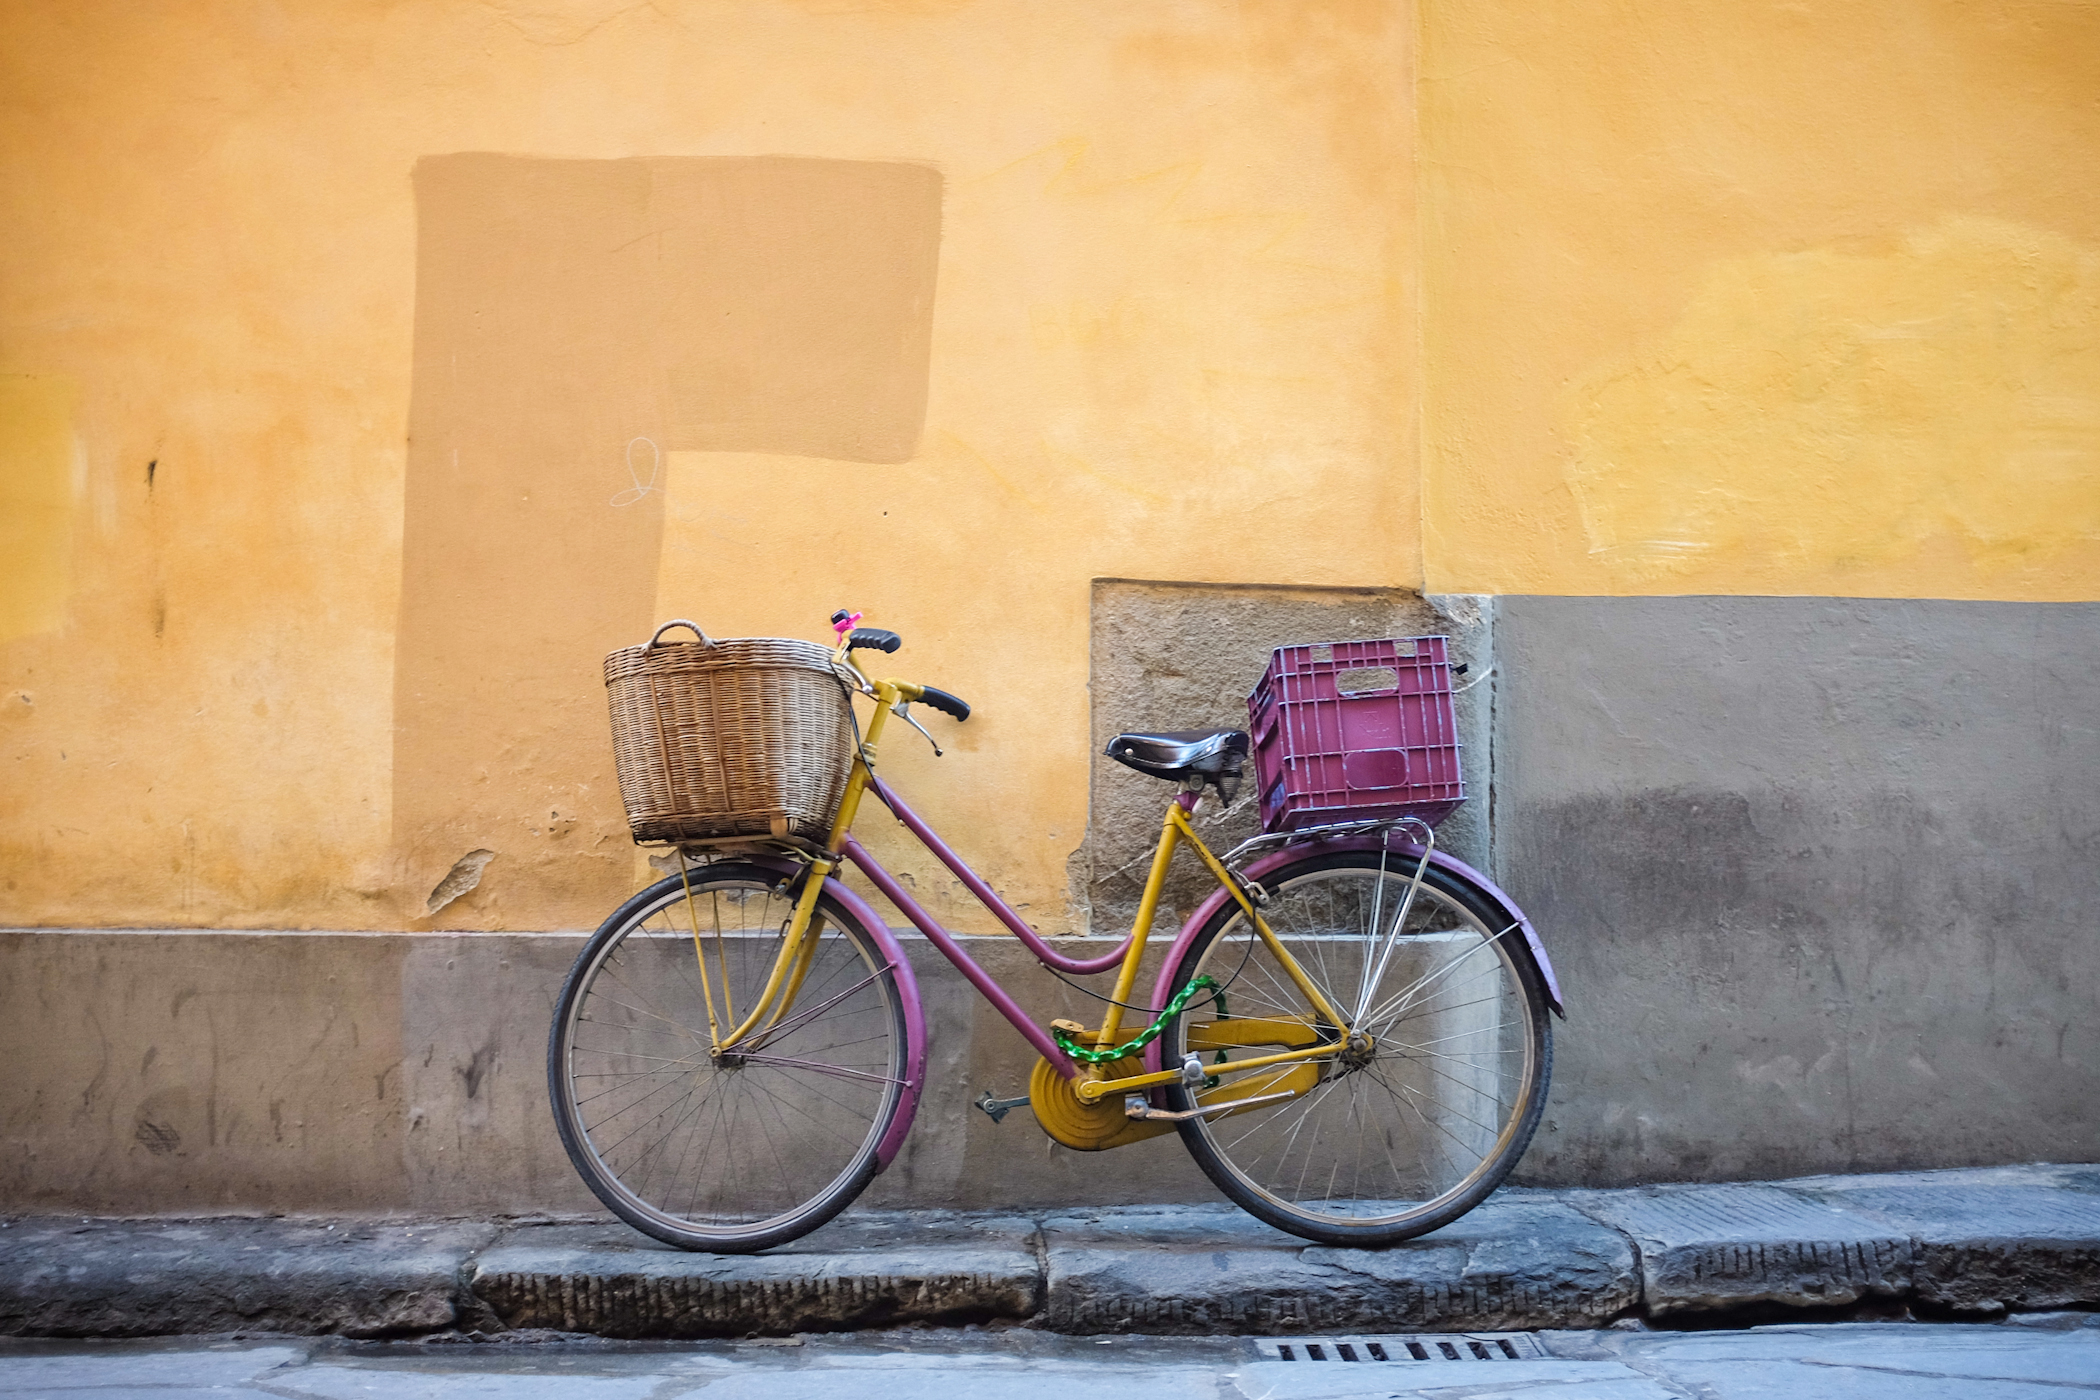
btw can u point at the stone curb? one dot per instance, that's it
(1521, 1260)
(860, 1272)
(1975, 1243)
(134, 1278)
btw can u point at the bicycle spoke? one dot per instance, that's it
(1486, 944)
(840, 1070)
(758, 1145)
(675, 1025)
(1398, 1089)
(781, 1028)
(615, 1088)
(1410, 1123)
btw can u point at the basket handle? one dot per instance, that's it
(681, 622)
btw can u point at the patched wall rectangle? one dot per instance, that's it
(575, 320)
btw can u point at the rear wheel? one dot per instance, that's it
(1436, 1095)
(740, 1151)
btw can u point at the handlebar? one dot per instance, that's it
(911, 692)
(944, 702)
(874, 637)
(932, 695)
(885, 641)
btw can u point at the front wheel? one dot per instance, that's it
(738, 1151)
(1443, 1076)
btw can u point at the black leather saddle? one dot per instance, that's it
(1189, 756)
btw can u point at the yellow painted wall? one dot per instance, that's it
(39, 461)
(1762, 298)
(1173, 337)
(1697, 298)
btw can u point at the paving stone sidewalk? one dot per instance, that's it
(1956, 1244)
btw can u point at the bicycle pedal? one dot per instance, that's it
(997, 1109)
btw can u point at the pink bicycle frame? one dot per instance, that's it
(945, 941)
(1036, 1036)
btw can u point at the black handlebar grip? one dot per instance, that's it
(873, 637)
(944, 702)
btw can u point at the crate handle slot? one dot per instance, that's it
(1367, 680)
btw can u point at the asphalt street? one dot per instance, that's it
(2041, 1356)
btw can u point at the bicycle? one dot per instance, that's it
(1350, 1034)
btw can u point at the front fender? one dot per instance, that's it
(907, 991)
(1291, 855)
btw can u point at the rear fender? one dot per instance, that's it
(1291, 855)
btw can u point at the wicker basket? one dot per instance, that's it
(748, 736)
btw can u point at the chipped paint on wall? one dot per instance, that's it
(1842, 418)
(42, 473)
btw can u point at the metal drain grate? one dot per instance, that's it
(1417, 1346)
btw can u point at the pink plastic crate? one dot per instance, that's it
(1344, 730)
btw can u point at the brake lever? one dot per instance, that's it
(902, 710)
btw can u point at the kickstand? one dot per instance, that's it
(997, 1109)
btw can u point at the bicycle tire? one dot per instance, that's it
(1401, 1136)
(735, 1153)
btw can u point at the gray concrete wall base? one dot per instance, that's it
(204, 1071)
(1817, 875)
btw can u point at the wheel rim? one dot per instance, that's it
(1418, 1124)
(729, 1148)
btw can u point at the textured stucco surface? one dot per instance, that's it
(321, 497)
(322, 502)
(1817, 876)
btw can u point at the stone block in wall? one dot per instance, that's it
(1184, 656)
